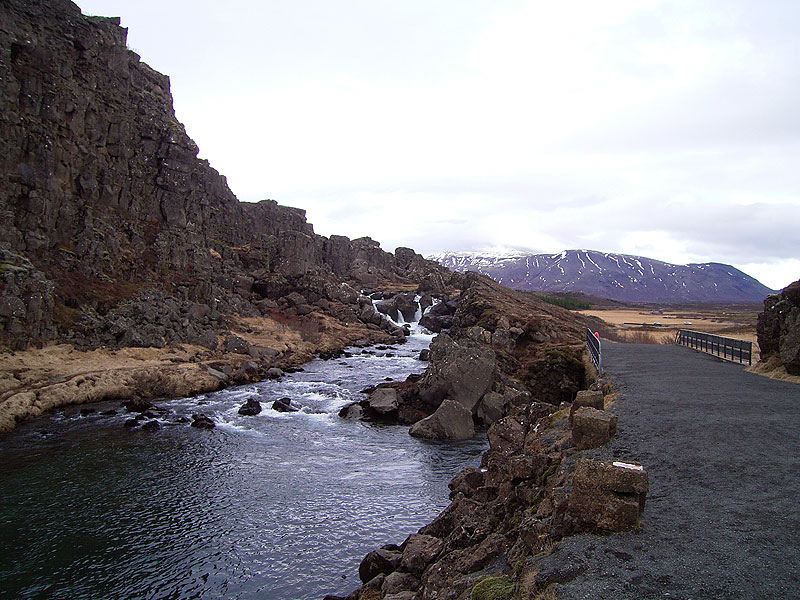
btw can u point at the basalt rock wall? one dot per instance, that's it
(779, 328)
(102, 192)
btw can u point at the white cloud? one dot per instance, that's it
(662, 127)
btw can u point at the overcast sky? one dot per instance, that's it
(665, 128)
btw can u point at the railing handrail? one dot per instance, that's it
(595, 350)
(727, 348)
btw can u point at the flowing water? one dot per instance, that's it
(276, 506)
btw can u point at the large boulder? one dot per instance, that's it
(451, 421)
(463, 372)
(383, 401)
(420, 551)
(779, 328)
(607, 496)
(250, 408)
(592, 428)
(378, 562)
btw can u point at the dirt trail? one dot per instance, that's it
(722, 447)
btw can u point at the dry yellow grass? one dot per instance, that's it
(729, 323)
(37, 380)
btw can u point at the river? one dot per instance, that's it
(278, 506)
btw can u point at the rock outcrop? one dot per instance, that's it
(779, 328)
(533, 488)
(102, 196)
(503, 349)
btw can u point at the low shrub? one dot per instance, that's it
(493, 588)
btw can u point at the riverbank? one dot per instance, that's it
(35, 381)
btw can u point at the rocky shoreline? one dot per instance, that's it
(516, 365)
(236, 351)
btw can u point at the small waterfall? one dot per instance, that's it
(414, 327)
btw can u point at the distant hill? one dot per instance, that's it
(616, 276)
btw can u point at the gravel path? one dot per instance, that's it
(722, 448)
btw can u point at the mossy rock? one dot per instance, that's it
(493, 588)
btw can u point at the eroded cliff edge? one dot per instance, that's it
(117, 236)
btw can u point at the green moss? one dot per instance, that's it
(552, 469)
(536, 502)
(8, 267)
(493, 588)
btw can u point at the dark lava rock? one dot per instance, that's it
(131, 423)
(137, 404)
(151, 426)
(378, 562)
(283, 405)
(87, 411)
(425, 355)
(778, 328)
(353, 410)
(202, 421)
(250, 408)
(109, 412)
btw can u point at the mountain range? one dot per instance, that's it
(620, 277)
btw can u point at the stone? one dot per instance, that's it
(352, 411)
(778, 328)
(466, 482)
(420, 551)
(218, 374)
(137, 404)
(250, 408)
(461, 372)
(151, 426)
(491, 408)
(284, 405)
(378, 562)
(607, 496)
(425, 355)
(507, 436)
(590, 398)
(592, 428)
(274, 373)
(201, 421)
(451, 421)
(383, 401)
(237, 345)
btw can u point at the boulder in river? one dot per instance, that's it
(383, 401)
(151, 426)
(451, 421)
(250, 408)
(461, 371)
(137, 404)
(352, 411)
(284, 405)
(201, 421)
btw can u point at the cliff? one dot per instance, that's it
(779, 329)
(102, 195)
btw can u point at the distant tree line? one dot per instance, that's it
(566, 302)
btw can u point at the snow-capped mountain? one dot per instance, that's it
(615, 276)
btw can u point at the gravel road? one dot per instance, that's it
(722, 448)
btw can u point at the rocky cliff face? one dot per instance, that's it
(779, 328)
(102, 194)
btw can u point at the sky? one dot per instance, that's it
(663, 128)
